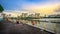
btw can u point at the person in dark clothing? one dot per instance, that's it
(17, 22)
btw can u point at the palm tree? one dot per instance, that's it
(1, 8)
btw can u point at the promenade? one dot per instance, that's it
(7, 27)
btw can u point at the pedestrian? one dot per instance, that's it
(17, 22)
(32, 22)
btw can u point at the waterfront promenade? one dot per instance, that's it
(7, 27)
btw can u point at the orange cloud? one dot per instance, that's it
(43, 9)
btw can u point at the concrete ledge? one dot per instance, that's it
(41, 28)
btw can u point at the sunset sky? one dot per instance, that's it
(39, 6)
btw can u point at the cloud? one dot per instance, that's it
(46, 8)
(41, 6)
(57, 9)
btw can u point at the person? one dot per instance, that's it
(32, 22)
(17, 22)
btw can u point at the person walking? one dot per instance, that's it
(17, 22)
(32, 22)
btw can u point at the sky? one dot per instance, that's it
(38, 6)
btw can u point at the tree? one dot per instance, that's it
(1, 8)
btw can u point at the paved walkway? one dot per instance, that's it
(7, 27)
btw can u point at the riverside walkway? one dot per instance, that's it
(7, 27)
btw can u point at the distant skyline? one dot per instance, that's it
(39, 6)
